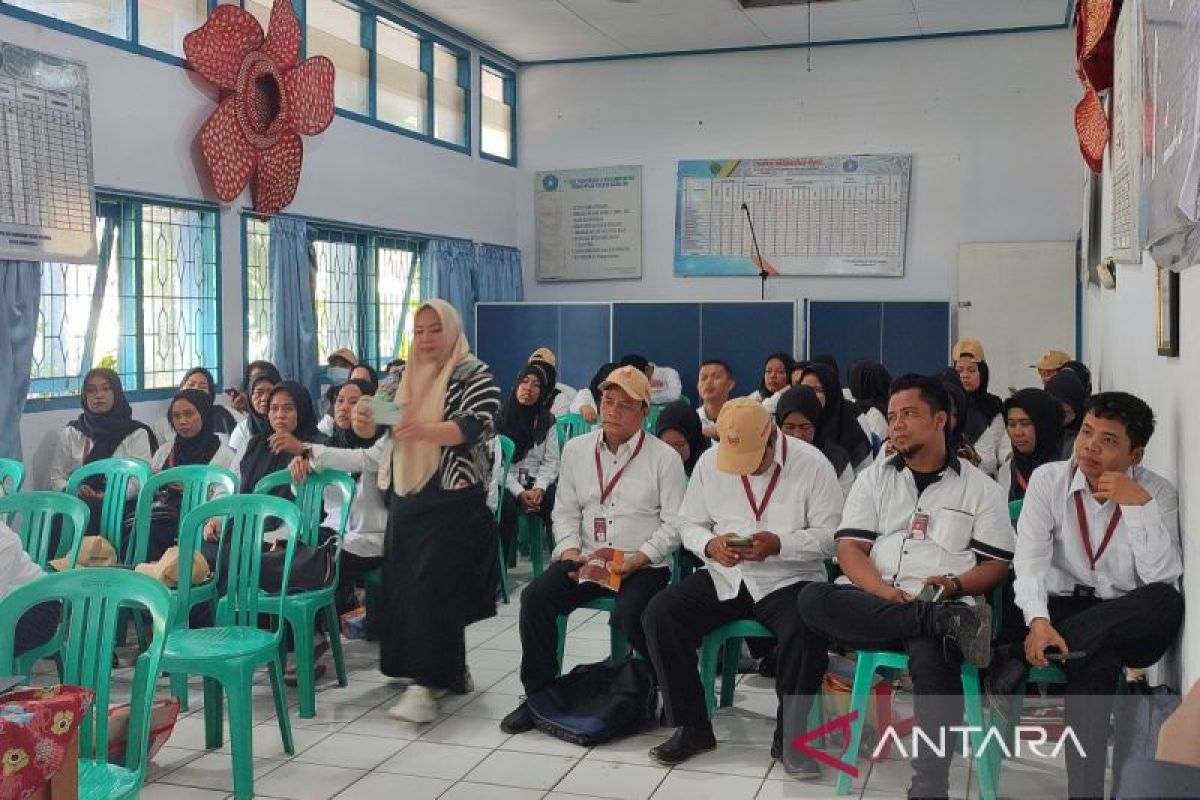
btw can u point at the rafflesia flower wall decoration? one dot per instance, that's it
(268, 98)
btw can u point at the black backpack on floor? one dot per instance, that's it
(597, 703)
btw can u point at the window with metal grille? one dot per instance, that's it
(339, 266)
(257, 282)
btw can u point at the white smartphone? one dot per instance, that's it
(384, 411)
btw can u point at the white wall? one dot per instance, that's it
(145, 117)
(987, 119)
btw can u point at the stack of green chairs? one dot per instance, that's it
(229, 654)
(118, 472)
(92, 601)
(12, 475)
(302, 608)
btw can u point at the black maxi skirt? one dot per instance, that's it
(440, 574)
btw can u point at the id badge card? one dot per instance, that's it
(523, 476)
(600, 529)
(918, 529)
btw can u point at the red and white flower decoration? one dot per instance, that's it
(268, 98)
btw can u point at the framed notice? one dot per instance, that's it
(47, 200)
(589, 224)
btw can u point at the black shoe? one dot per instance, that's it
(970, 627)
(777, 747)
(801, 766)
(683, 744)
(1005, 679)
(519, 720)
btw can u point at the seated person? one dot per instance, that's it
(984, 415)
(105, 429)
(525, 418)
(1072, 395)
(777, 371)
(1050, 363)
(679, 426)
(620, 488)
(714, 384)
(239, 397)
(761, 511)
(868, 384)
(798, 414)
(839, 416)
(559, 395)
(224, 421)
(395, 367)
(1098, 554)
(259, 385)
(922, 518)
(193, 441)
(665, 386)
(341, 359)
(1033, 424)
(365, 372)
(39, 623)
(586, 400)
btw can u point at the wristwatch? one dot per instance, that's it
(306, 452)
(958, 589)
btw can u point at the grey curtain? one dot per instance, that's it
(293, 272)
(453, 263)
(20, 294)
(498, 274)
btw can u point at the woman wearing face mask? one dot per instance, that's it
(526, 419)
(800, 415)
(105, 429)
(1033, 423)
(258, 385)
(984, 417)
(679, 426)
(839, 416)
(193, 441)
(1070, 392)
(777, 371)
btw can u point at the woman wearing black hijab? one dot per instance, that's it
(587, 401)
(1071, 393)
(800, 415)
(258, 386)
(956, 438)
(985, 418)
(679, 426)
(525, 418)
(870, 383)
(1033, 422)
(839, 417)
(224, 421)
(290, 423)
(105, 429)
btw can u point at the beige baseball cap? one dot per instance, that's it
(1052, 359)
(632, 380)
(345, 353)
(968, 348)
(544, 354)
(744, 427)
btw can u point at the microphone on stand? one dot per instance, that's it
(762, 269)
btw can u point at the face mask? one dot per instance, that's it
(337, 375)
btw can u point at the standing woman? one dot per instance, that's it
(105, 429)
(439, 572)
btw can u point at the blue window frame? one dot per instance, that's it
(497, 113)
(150, 27)
(152, 300)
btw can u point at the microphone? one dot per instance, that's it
(762, 269)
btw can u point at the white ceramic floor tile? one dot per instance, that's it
(612, 780)
(188, 733)
(803, 790)
(382, 786)
(488, 705)
(169, 758)
(508, 641)
(537, 742)
(267, 741)
(475, 791)
(378, 723)
(330, 717)
(467, 731)
(509, 684)
(486, 658)
(523, 770)
(359, 693)
(215, 771)
(433, 760)
(485, 679)
(681, 785)
(735, 726)
(299, 781)
(163, 791)
(351, 751)
(732, 759)
(633, 750)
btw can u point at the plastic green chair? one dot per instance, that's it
(12, 475)
(651, 419)
(92, 601)
(303, 607)
(118, 472)
(1014, 510)
(229, 654)
(569, 426)
(729, 636)
(507, 448)
(619, 646)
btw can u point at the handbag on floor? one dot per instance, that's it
(596, 703)
(312, 567)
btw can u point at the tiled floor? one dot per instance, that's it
(353, 751)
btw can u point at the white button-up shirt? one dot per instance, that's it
(967, 517)
(641, 512)
(665, 386)
(1050, 556)
(366, 525)
(16, 567)
(803, 512)
(73, 447)
(540, 464)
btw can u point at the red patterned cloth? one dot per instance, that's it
(36, 727)
(268, 99)
(1095, 34)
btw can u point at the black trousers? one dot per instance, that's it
(36, 626)
(1133, 630)
(353, 568)
(679, 618)
(508, 520)
(854, 619)
(553, 593)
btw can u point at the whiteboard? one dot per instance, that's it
(823, 215)
(588, 224)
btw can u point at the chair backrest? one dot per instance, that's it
(309, 497)
(507, 448)
(651, 419)
(39, 513)
(197, 483)
(12, 475)
(1014, 510)
(92, 601)
(239, 559)
(117, 472)
(569, 426)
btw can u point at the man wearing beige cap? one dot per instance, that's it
(620, 488)
(761, 510)
(1050, 363)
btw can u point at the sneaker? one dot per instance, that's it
(1004, 680)
(683, 744)
(519, 720)
(417, 704)
(970, 627)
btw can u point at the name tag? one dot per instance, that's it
(600, 529)
(918, 529)
(523, 476)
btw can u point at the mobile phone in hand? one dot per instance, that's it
(1055, 655)
(739, 543)
(931, 593)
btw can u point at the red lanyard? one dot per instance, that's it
(1086, 534)
(606, 491)
(759, 510)
(1021, 481)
